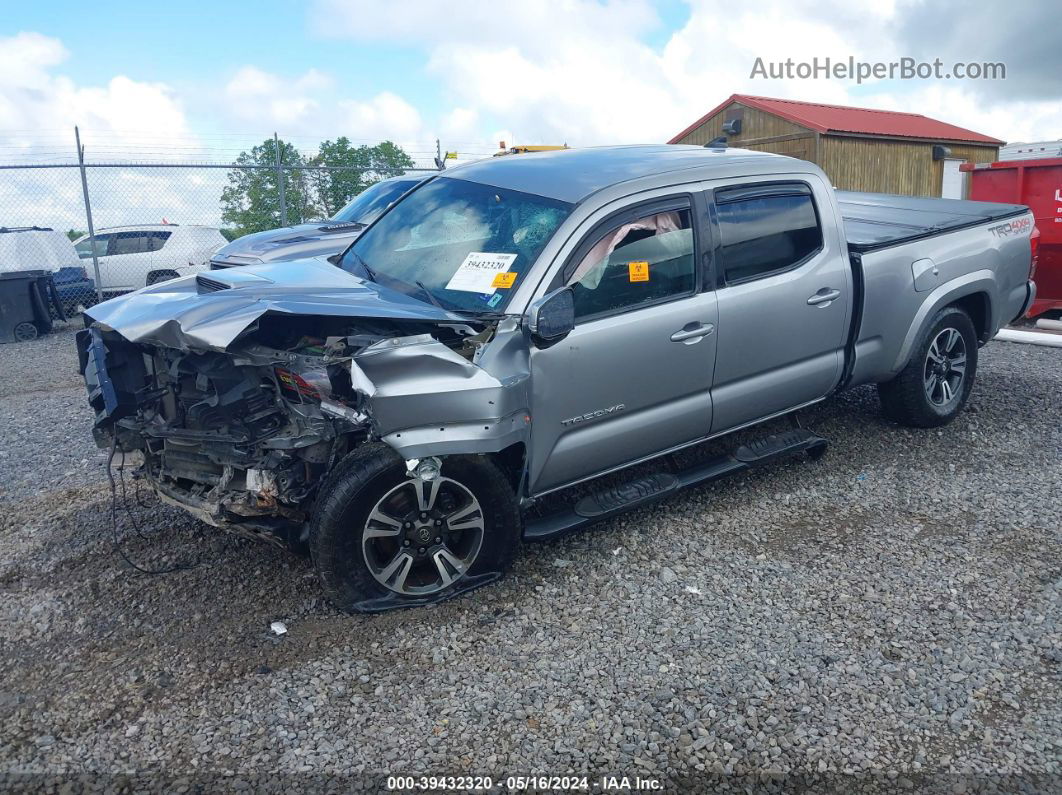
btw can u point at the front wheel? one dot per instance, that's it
(381, 538)
(934, 386)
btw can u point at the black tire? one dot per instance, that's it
(350, 493)
(161, 276)
(906, 399)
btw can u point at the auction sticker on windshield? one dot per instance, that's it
(478, 272)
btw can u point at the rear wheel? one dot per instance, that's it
(934, 386)
(382, 539)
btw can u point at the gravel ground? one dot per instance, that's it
(884, 619)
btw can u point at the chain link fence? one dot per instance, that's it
(106, 228)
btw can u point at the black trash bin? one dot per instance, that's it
(24, 305)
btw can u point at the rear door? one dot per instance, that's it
(784, 290)
(634, 376)
(159, 261)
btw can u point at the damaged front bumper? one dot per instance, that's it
(242, 437)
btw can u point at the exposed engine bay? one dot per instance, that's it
(243, 437)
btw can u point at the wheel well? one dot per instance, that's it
(979, 308)
(511, 462)
(165, 273)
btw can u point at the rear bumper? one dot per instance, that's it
(1030, 298)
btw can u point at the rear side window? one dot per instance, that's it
(763, 232)
(155, 240)
(126, 243)
(640, 261)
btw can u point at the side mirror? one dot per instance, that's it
(552, 317)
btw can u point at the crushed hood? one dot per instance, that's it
(210, 310)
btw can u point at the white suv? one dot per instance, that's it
(132, 257)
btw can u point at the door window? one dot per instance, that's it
(763, 233)
(635, 262)
(126, 243)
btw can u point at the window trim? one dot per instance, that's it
(678, 201)
(759, 190)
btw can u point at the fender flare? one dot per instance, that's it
(980, 281)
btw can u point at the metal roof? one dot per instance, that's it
(570, 175)
(843, 119)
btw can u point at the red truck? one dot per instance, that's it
(1038, 185)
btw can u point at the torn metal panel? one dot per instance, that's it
(425, 399)
(483, 436)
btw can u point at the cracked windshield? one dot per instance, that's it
(457, 244)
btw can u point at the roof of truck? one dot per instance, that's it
(571, 175)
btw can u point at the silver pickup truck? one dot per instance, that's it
(517, 326)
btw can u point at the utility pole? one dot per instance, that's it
(280, 182)
(439, 162)
(88, 212)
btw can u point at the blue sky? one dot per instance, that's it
(470, 72)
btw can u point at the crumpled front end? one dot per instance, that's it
(243, 437)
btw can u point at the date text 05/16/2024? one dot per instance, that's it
(522, 783)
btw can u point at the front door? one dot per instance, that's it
(634, 376)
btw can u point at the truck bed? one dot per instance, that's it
(878, 220)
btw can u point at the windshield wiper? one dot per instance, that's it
(365, 267)
(428, 293)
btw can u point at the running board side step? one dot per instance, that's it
(624, 497)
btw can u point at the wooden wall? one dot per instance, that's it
(885, 166)
(802, 148)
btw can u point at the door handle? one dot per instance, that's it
(824, 296)
(700, 330)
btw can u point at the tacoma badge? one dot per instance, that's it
(593, 415)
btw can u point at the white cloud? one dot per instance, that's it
(385, 116)
(581, 71)
(266, 99)
(310, 106)
(34, 100)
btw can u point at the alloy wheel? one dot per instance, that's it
(423, 535)
(945, 367)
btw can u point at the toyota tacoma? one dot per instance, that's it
(517, 326)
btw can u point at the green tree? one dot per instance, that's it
(251, 200)
(74, 234)
(352, 170)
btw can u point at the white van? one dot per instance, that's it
(131, 257)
